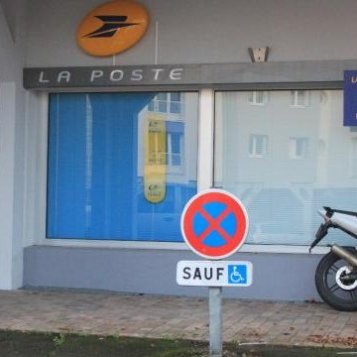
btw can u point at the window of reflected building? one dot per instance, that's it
(309, 153)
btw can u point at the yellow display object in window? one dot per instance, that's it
(155, 158)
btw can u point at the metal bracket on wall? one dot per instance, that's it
(259, 54)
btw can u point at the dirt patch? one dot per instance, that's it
(286, 351)
(29, 344)
(332, 340)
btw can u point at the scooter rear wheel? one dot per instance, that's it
(333, 283)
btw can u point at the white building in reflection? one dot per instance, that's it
(285, 154)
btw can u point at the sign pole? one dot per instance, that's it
(215, 321)
(214, 224)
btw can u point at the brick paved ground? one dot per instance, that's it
(176, 317)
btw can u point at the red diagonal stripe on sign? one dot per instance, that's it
(214, 224)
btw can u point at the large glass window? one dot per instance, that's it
(308, 160)
(121, 165)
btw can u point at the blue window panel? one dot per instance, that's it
(176, 96)
(151, 106)
(162, 107)
(176, 149)
(175, 107)
(95, 190)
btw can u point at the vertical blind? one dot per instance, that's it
(96, 173)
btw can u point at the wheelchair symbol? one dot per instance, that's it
(237, 274)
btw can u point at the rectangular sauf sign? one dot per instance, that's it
(214, 273)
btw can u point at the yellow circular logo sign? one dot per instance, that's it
(112, 28)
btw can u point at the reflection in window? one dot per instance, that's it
(300, 98)
(174, 151)
(258, 145)
(298, 148)
(304, 166)
(116, 170)
(258, 97)
(175, 148)
(353, 157)
(175, 103)
(167, 103)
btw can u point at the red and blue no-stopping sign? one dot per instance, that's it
(214, 223)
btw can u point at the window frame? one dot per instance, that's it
(170, 173)
(167, 103)
(294, 141)
(295, 98)
(254, 145)
(270, 87)
(36, 173)
(38, 231)
(254, 95)
(171, 167)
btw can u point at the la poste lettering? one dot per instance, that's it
(117, 75)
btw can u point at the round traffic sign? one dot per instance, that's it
(214, 223)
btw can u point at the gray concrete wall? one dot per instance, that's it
(12, 129)
(202, 31)
(275, 276)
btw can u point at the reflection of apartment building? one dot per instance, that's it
(288, 155)
(178, 112)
